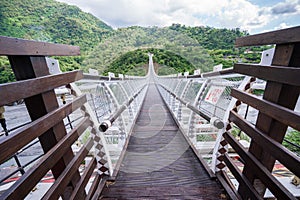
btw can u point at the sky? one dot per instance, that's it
(255, 16)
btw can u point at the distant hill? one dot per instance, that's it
(50, 21)
(178, 47)
(201, 48)
(166, 44)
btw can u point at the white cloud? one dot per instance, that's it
(219, 13)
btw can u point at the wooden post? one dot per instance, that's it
(281, 94)
(26, 67)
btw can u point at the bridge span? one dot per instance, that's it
(216, 135)
(159, 163)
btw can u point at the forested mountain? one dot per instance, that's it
(178, 47)
(50, 21)
(220, 44)
(202, 47)
(166, 44)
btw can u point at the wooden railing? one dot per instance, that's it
(276, 114)
(36, 86)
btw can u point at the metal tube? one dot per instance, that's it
(213, 120)
(107, 123)
(218, 73)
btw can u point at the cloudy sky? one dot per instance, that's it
(252, 15)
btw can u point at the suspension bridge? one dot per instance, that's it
(204, 136)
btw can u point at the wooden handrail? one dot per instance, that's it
(80, 187)
(281, 74)
(60, 184)
(19, 138)
(36, 86)
(266, 177)
(280, 113)
(24, 185)
(16, 46)
(287, 158)
(27, 88)
(241, 179)
(276, 114)
(284, 36)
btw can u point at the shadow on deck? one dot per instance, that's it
(159, 164)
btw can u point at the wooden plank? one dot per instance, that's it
(61, 183)
(94, 185)
(24, 185)
(281, 74)
(122, 155)
(26, 67)
(284, 36)
(15, 46)
(287, 158)
(27, 88)
(259, 169)
(227, 186)
(80, 187)
(280, 113)
(252, 193)
(158, 164)
(281, 94)
(21, 137)
(99, 189)
(195, 151)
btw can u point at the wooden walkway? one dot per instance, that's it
(159, 164)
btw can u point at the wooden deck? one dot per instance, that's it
(159, 164)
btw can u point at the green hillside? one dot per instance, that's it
(163, 40)
(220, 44)
(50, 21)
(178, 47)
(201, 47)
(135, 62)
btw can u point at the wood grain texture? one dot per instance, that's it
(279, 74)
(27, 88)
(259, 169)
(280, 113)
(94, 185)
(80, 187)
(28, 67)
(19, 138)
(287, 158)
(159, 163)
(15, 46)
(57, 189)
(284, 36)
(285, 95)
(227, 185)
(252, 193)
(24, 185)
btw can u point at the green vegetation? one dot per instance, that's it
(294, 137)
(202, 47)
(205, 138)
(177, 48)
(258, 92)
(130, 63)
(211, 38)
(50, 21)
(158, 40)
(6, 73)
(237, 133)
(220, 44)
(135, 62)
